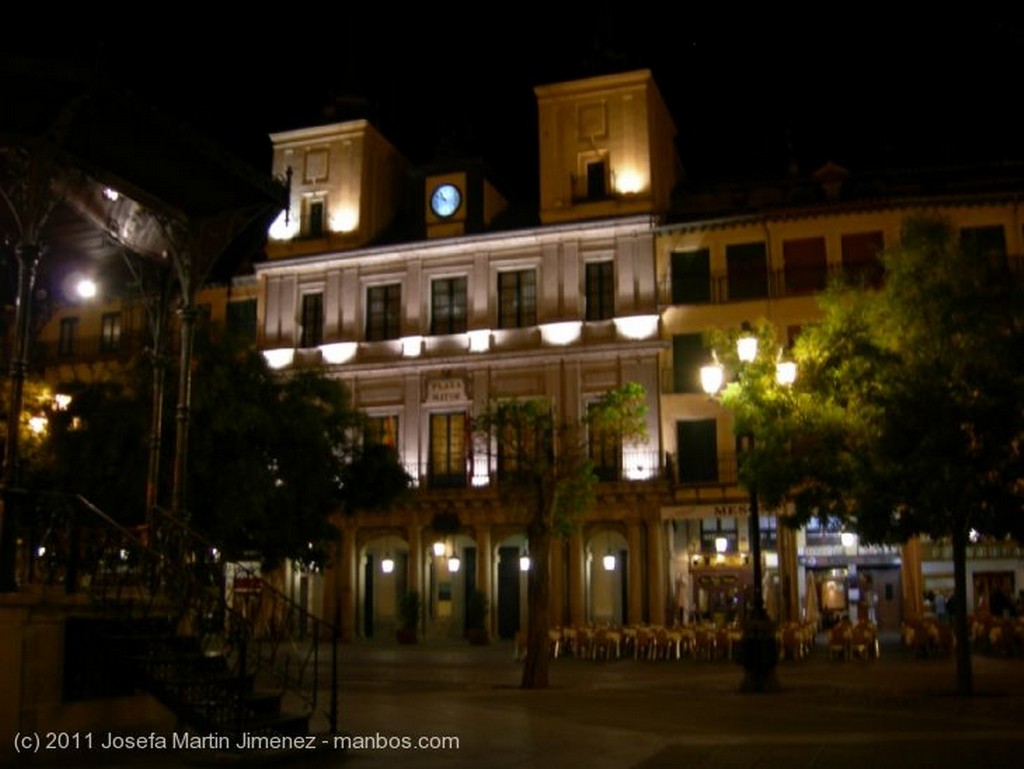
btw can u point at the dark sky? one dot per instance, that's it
(862, 90)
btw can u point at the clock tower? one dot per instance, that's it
(459, 200)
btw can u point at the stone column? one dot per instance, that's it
(657, 578)
(634, 538)
(414, 578)
(789, 603)
(577, 592)
(557, 608)
(484, 567)
(346, 585)
(910, 579)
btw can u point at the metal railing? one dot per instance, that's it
(172, 573)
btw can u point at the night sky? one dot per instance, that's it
(862, 91)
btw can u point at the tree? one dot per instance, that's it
(271, 456)
(545, 468)
(910, 418)
(94, 445)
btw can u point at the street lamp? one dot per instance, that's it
(759, 651)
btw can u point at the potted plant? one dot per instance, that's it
(408, 617)
(476, 619)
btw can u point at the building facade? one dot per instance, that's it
(427, 334)
(410, 286)
(720, 269)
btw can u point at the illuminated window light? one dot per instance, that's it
(637, 326)
(560, 334)
(279, 358)
(346, 220)
(338, 352)
(412, 346)
(285, 227)
(479, 340)
(480, 471)
(628, 182)
(609, 562)
(637, 464)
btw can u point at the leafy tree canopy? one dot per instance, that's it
(922, 383)
(907, 416)
(270, 457)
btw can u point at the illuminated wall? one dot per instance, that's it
(606, 148)
(345, 187)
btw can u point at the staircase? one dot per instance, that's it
(161, 623)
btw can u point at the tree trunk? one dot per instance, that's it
(538, 593)
(964, 674)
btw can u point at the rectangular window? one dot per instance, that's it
(715, 528)
(312, 320)
(110, 332)
(605, 451)
(860, 257)
(600, 295)
(697, 446)
(315, 215)
(383, 312)
(448, 444)
(448, 306)
(597, 173)
(747, 266)
(68, 331)
(241, 319)
(691, 276)
(688, 355)
(522, 436)
(805, 265)
(986, 243)
(382, 431)
(824, 532)
(769, 526)
(517, 299)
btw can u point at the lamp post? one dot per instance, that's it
(759, 652)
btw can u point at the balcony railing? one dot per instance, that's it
(781, 283)
(722, 471)
(636, 465)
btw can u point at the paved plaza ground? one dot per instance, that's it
(895, 712)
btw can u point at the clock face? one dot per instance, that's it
(445, 200)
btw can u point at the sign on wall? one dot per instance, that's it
(448, 390)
